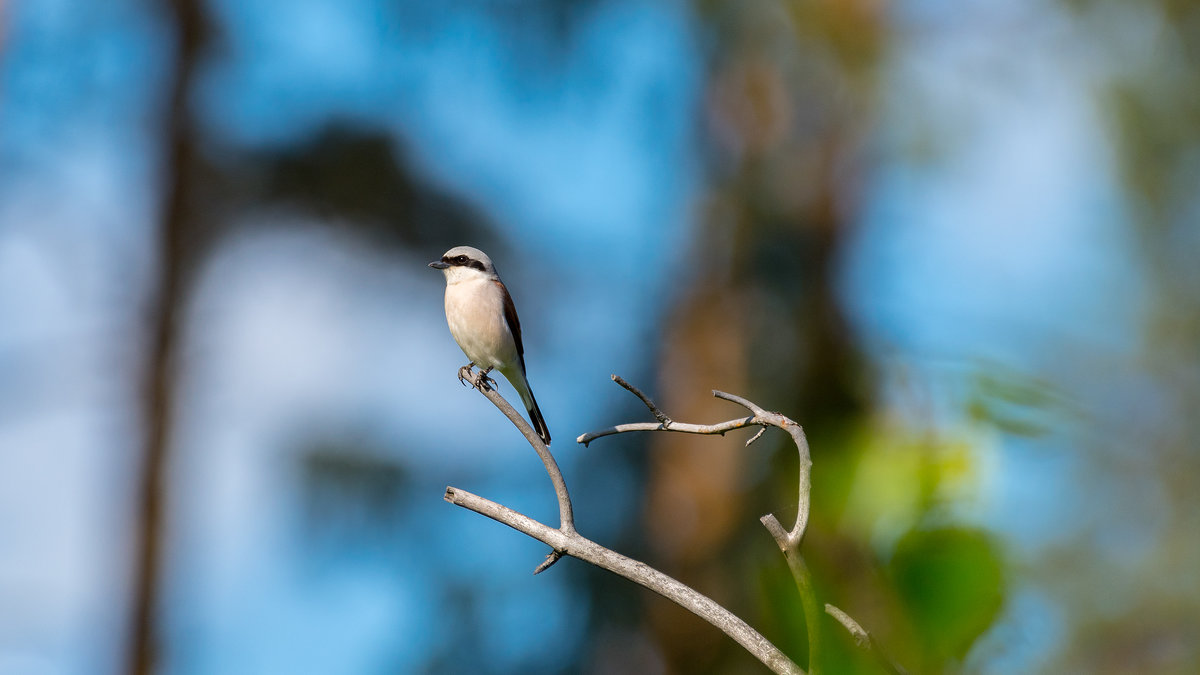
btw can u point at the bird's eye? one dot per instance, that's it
(461, 259)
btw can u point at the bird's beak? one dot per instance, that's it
(439, 265)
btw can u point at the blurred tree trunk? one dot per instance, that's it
(790, 91)
(175, 258)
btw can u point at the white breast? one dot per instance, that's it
(475, 313)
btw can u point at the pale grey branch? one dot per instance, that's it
(480, 381)
(861, 637)
(761, 417)
(757, 436)
(777, 532)
(788, 541)
(745, 403)
(578, 546)
(566, 541)
(658, 414)
(865, 640)
(554, 557)
(680, 427)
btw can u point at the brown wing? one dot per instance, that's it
(514, 324)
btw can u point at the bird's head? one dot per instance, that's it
(465, 262)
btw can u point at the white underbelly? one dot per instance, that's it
(475, 313)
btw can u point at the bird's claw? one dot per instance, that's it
(465, 379)
(485, 380)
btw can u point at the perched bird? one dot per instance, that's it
(484, 322)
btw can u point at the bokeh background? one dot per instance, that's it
(958, 241)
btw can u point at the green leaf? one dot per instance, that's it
(951, 582)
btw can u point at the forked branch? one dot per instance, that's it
(760, 417)
(565, 541)
(788, 540)
(577, 546)
(566, 515)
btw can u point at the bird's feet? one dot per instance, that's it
(464, 374)
(464, 377)
(487, 381)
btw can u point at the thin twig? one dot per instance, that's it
(757, 436)
(748, 405)
(761, 417)
(864, 639)
(658, 414)
(554, 557)
(566, 514)
(678, 427)
(861, 637)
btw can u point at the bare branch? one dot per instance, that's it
(578, 546)
(760, 417)
(554, 557)
(748, 405)
(861, 637)
(865, 640)
(679, 427)
(787, 541)
(658, 414)
(565, 541)
(777, 531)
(566, 513)
(755, 437)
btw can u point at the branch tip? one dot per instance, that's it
(861, 637)
(755, 436)
(658, 414)
(745, 403)
(780, 535)
(551, 558)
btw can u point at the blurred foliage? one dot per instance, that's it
(1143, 453)
(1151, 97)
(354, 178)
(1013, 404)
(951, 582)
(898, 481)
(344, 176)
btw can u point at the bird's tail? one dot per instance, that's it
(517, 378)
(539, 423)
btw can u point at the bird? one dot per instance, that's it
(484, 323)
